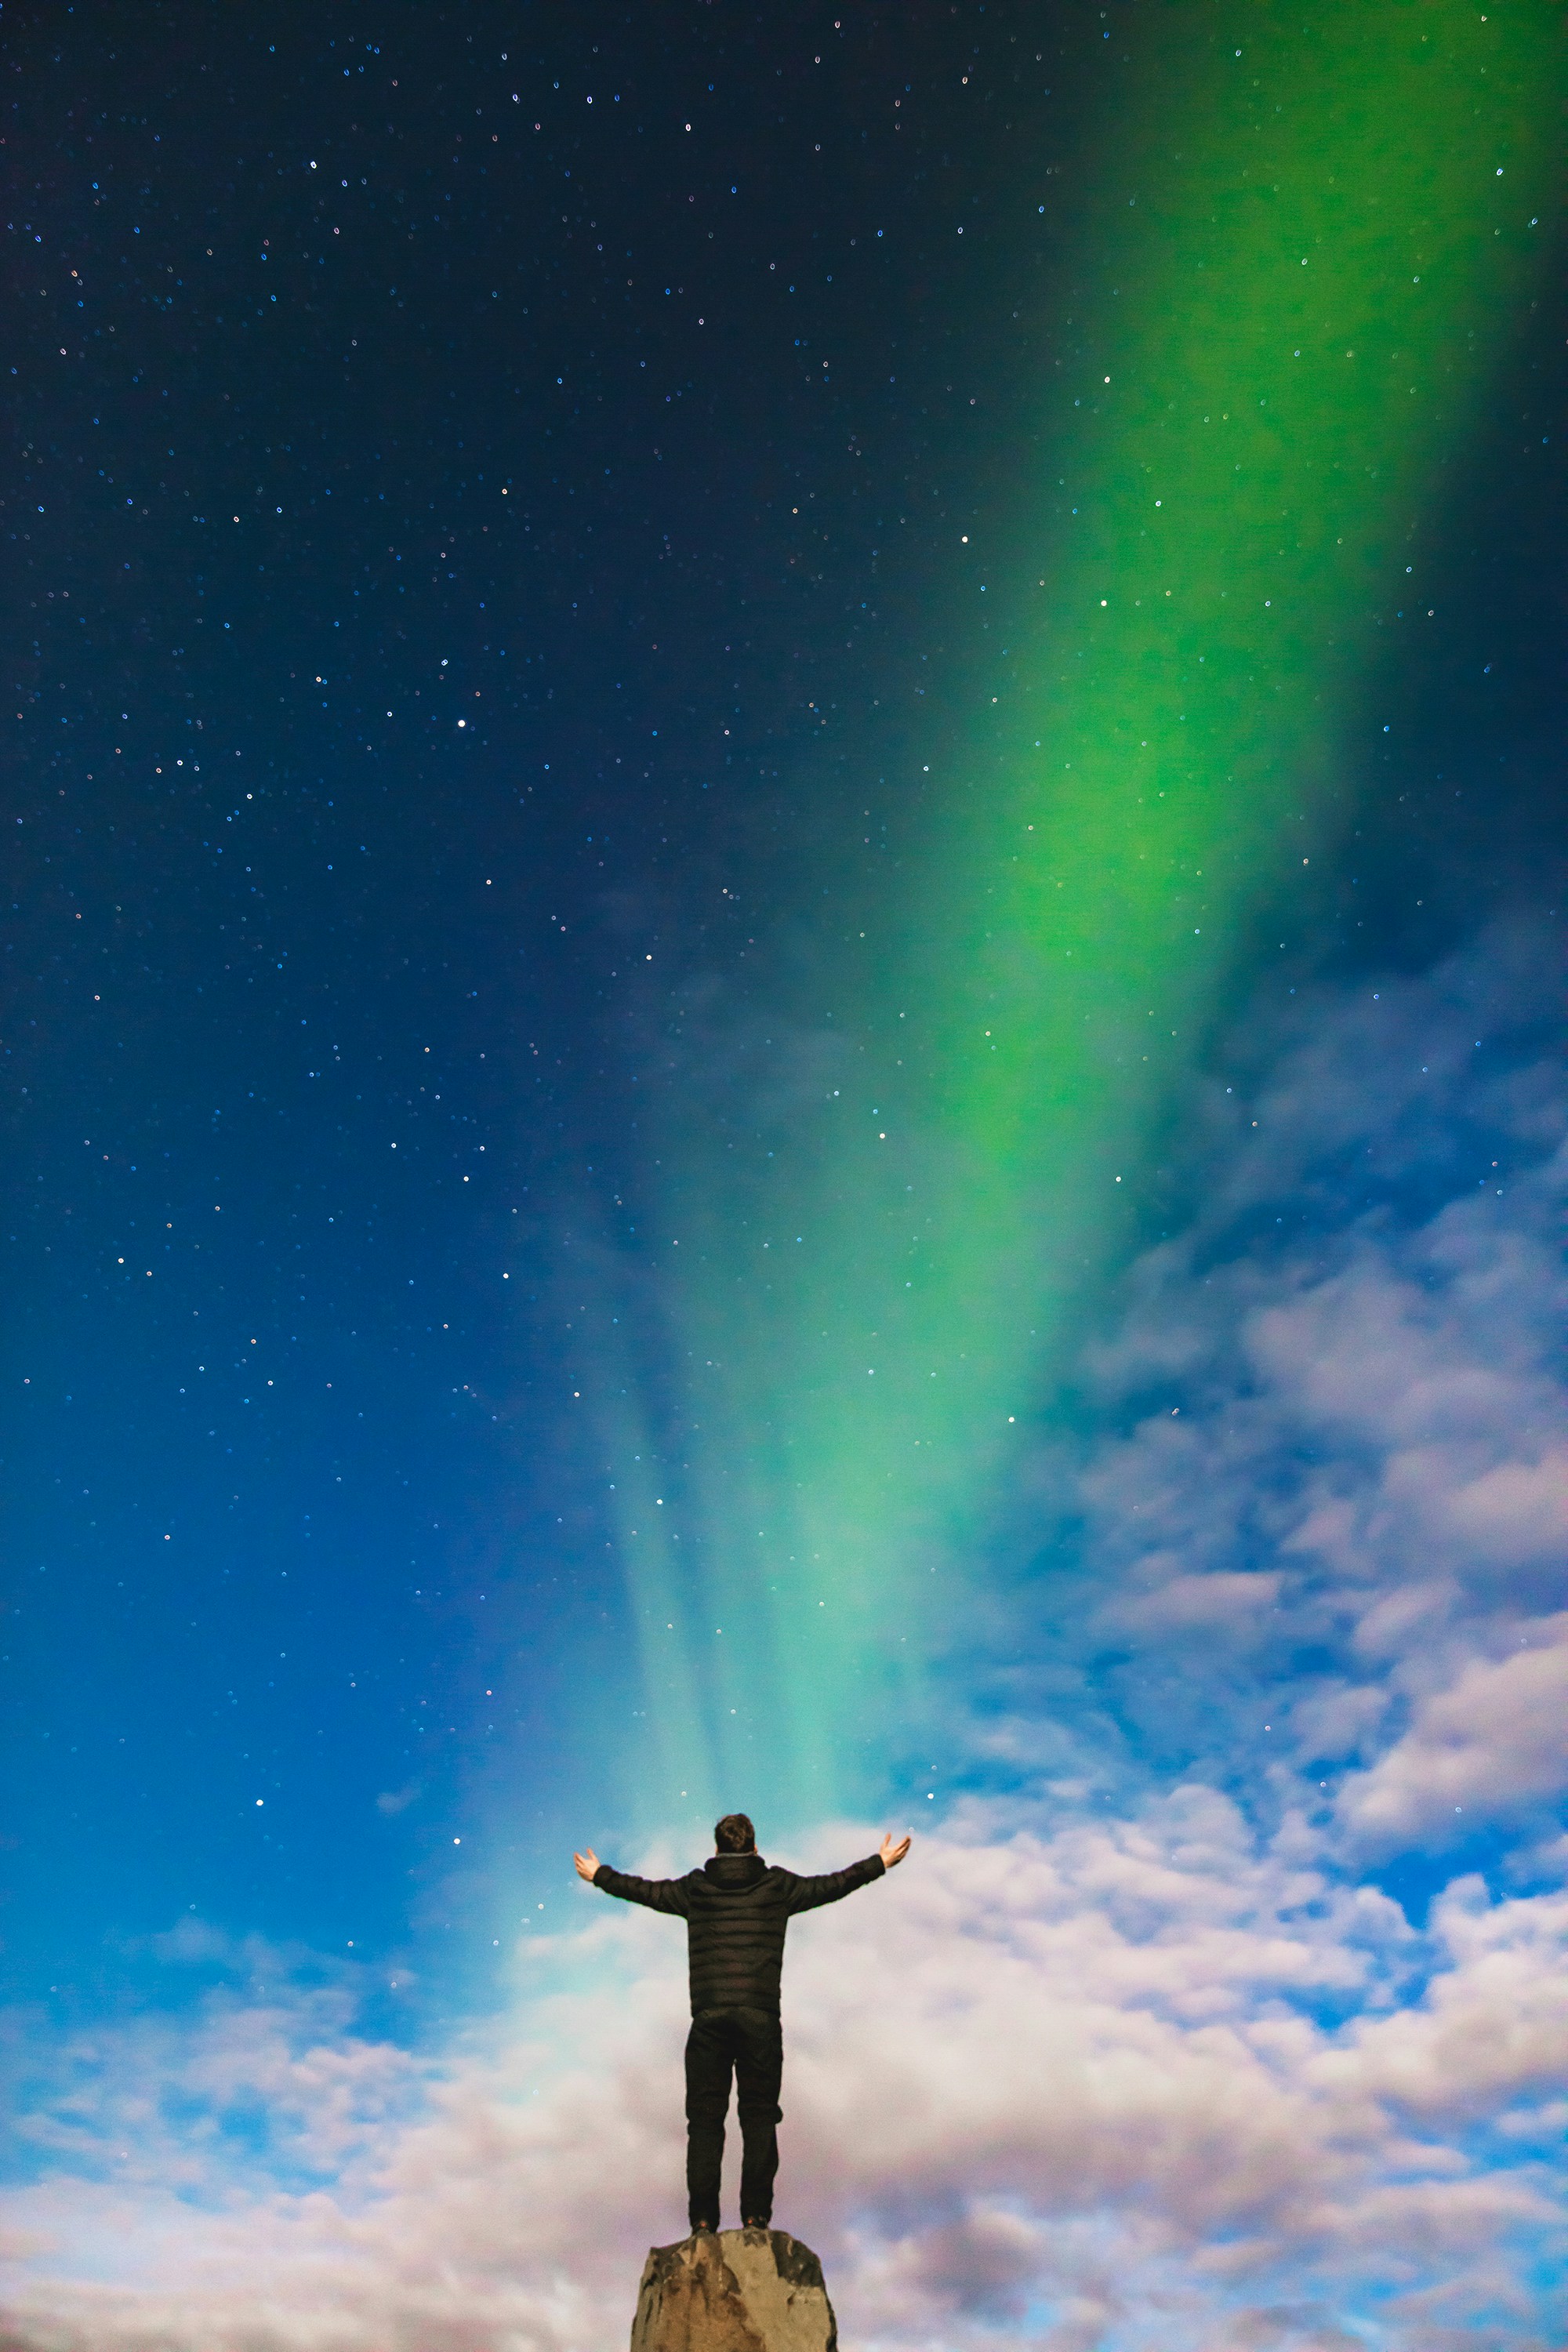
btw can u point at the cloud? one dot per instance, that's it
(1494, 1743)
(1041, 2079)
(1323, 1493)
(1179, 1603)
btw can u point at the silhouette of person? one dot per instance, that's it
(737, 1909)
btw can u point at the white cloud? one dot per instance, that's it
(1032, 2080)
(1179, 1603)
(1332, 1498)
(1494, 1742)
(397, 1800)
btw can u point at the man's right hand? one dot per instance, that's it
(587, 1864)
(893, 1852)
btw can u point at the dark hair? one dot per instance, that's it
(734, 1835)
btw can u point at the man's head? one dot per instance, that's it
(734, 1835)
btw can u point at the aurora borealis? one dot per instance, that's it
(1249, 429)
(784, 1030)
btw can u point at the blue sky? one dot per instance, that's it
(471, 657)
(1222, 1999)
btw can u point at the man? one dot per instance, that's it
(736, 1910)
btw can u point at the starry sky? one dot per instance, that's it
(782, 1028)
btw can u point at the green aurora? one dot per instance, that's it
(1323, 225)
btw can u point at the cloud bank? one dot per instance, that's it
(1228, 2007)
(1116, 2083)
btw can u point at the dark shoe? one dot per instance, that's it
(757, 2225)
(705, 2229)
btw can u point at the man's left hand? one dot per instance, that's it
(588, 1863)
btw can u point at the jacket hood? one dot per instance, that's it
(734, 1871)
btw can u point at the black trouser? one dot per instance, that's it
(749, 2043)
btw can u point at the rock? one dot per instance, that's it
(735, 2291)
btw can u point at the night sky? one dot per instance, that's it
(557, 560)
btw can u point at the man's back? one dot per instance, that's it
(737, 1909)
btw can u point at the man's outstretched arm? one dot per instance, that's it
(654, 1893)
(833, 1886)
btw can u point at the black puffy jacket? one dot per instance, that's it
(736, 1910)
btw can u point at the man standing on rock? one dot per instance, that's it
(736, 1908)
